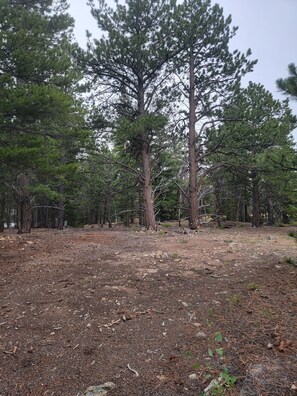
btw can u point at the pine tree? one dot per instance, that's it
(129, 62)
(256, 127)
(210, 74)
(36, 105)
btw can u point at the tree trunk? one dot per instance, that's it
(242, 206)
(35, 218)
(148, 194)
(256, 200)
(193, 184)
(247, 215)
(179, 213)
(217, 199)
(24, 215)
(61, 214)
(2, 211)
(24, 205)
(270, 210)
(285, 218)
(140, 208)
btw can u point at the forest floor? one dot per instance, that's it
(158, 313)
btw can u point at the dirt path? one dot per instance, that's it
(80, 308)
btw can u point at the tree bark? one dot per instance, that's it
(217, 199)
(256, 200)
(24, 216)
(8, 214)
(148, 194)
(2, 211)
(193, 184)
(24, 205)
(242, 211)
(270, 210)
(285, 218)
(61, 214)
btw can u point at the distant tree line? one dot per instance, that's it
(149, 123)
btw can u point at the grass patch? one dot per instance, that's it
(189, 355)
(267, 313)
(162, 233)
(252, 286)
(292, 234)
(235, 299)
(290, 261)
(210, 312)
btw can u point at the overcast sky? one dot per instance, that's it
(268, 27)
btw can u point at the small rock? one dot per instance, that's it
(193, 376)
(99, 390)
(201, 335)
(213, 384)
(269, 346)
(184, 304)
(294, 387)
(271, 238)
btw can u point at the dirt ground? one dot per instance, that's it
(158, 313)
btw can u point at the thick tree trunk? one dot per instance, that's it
(193, 184)
(148, 194)
(61, 214)
(24, 215)
(256, 201)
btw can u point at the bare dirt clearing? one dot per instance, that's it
(84, 307)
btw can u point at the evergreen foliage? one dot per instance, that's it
(167, 131)
(39, 114)
(289, 85)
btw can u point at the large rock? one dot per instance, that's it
(99, 390)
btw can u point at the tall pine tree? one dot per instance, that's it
(36, 105)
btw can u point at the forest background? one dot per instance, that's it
(148, 123)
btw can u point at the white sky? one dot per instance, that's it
(268, 27)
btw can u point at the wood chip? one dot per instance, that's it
(112, 323)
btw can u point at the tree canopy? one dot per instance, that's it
(289, 85)
(163, 130)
